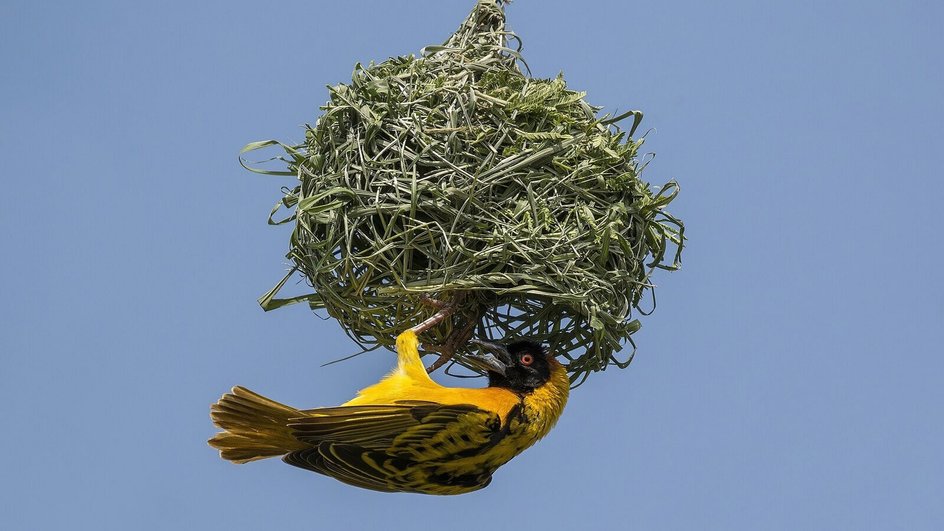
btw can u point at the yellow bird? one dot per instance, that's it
(407, 433)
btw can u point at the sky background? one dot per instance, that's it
(791, 377)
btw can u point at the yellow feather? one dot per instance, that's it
(410, 381)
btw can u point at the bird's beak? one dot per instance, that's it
(495, 359)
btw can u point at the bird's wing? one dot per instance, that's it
(398, 447)
(351, 464)
(380, 471)
(400, 428)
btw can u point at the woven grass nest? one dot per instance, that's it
(456, 177)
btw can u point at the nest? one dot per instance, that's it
(456, 177)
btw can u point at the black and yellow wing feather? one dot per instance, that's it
(405, 447)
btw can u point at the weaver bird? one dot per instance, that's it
(407, 433)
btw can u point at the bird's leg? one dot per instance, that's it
(458, 337)
(444, 311)
(449, 348)
(445, 355)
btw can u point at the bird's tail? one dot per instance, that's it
(254, 427)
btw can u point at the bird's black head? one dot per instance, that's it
(522, 366)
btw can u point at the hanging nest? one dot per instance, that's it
(456, 177)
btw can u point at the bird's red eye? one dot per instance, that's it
(527, 359)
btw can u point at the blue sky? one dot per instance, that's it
(789, 379)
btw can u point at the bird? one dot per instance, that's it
(407, 433)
